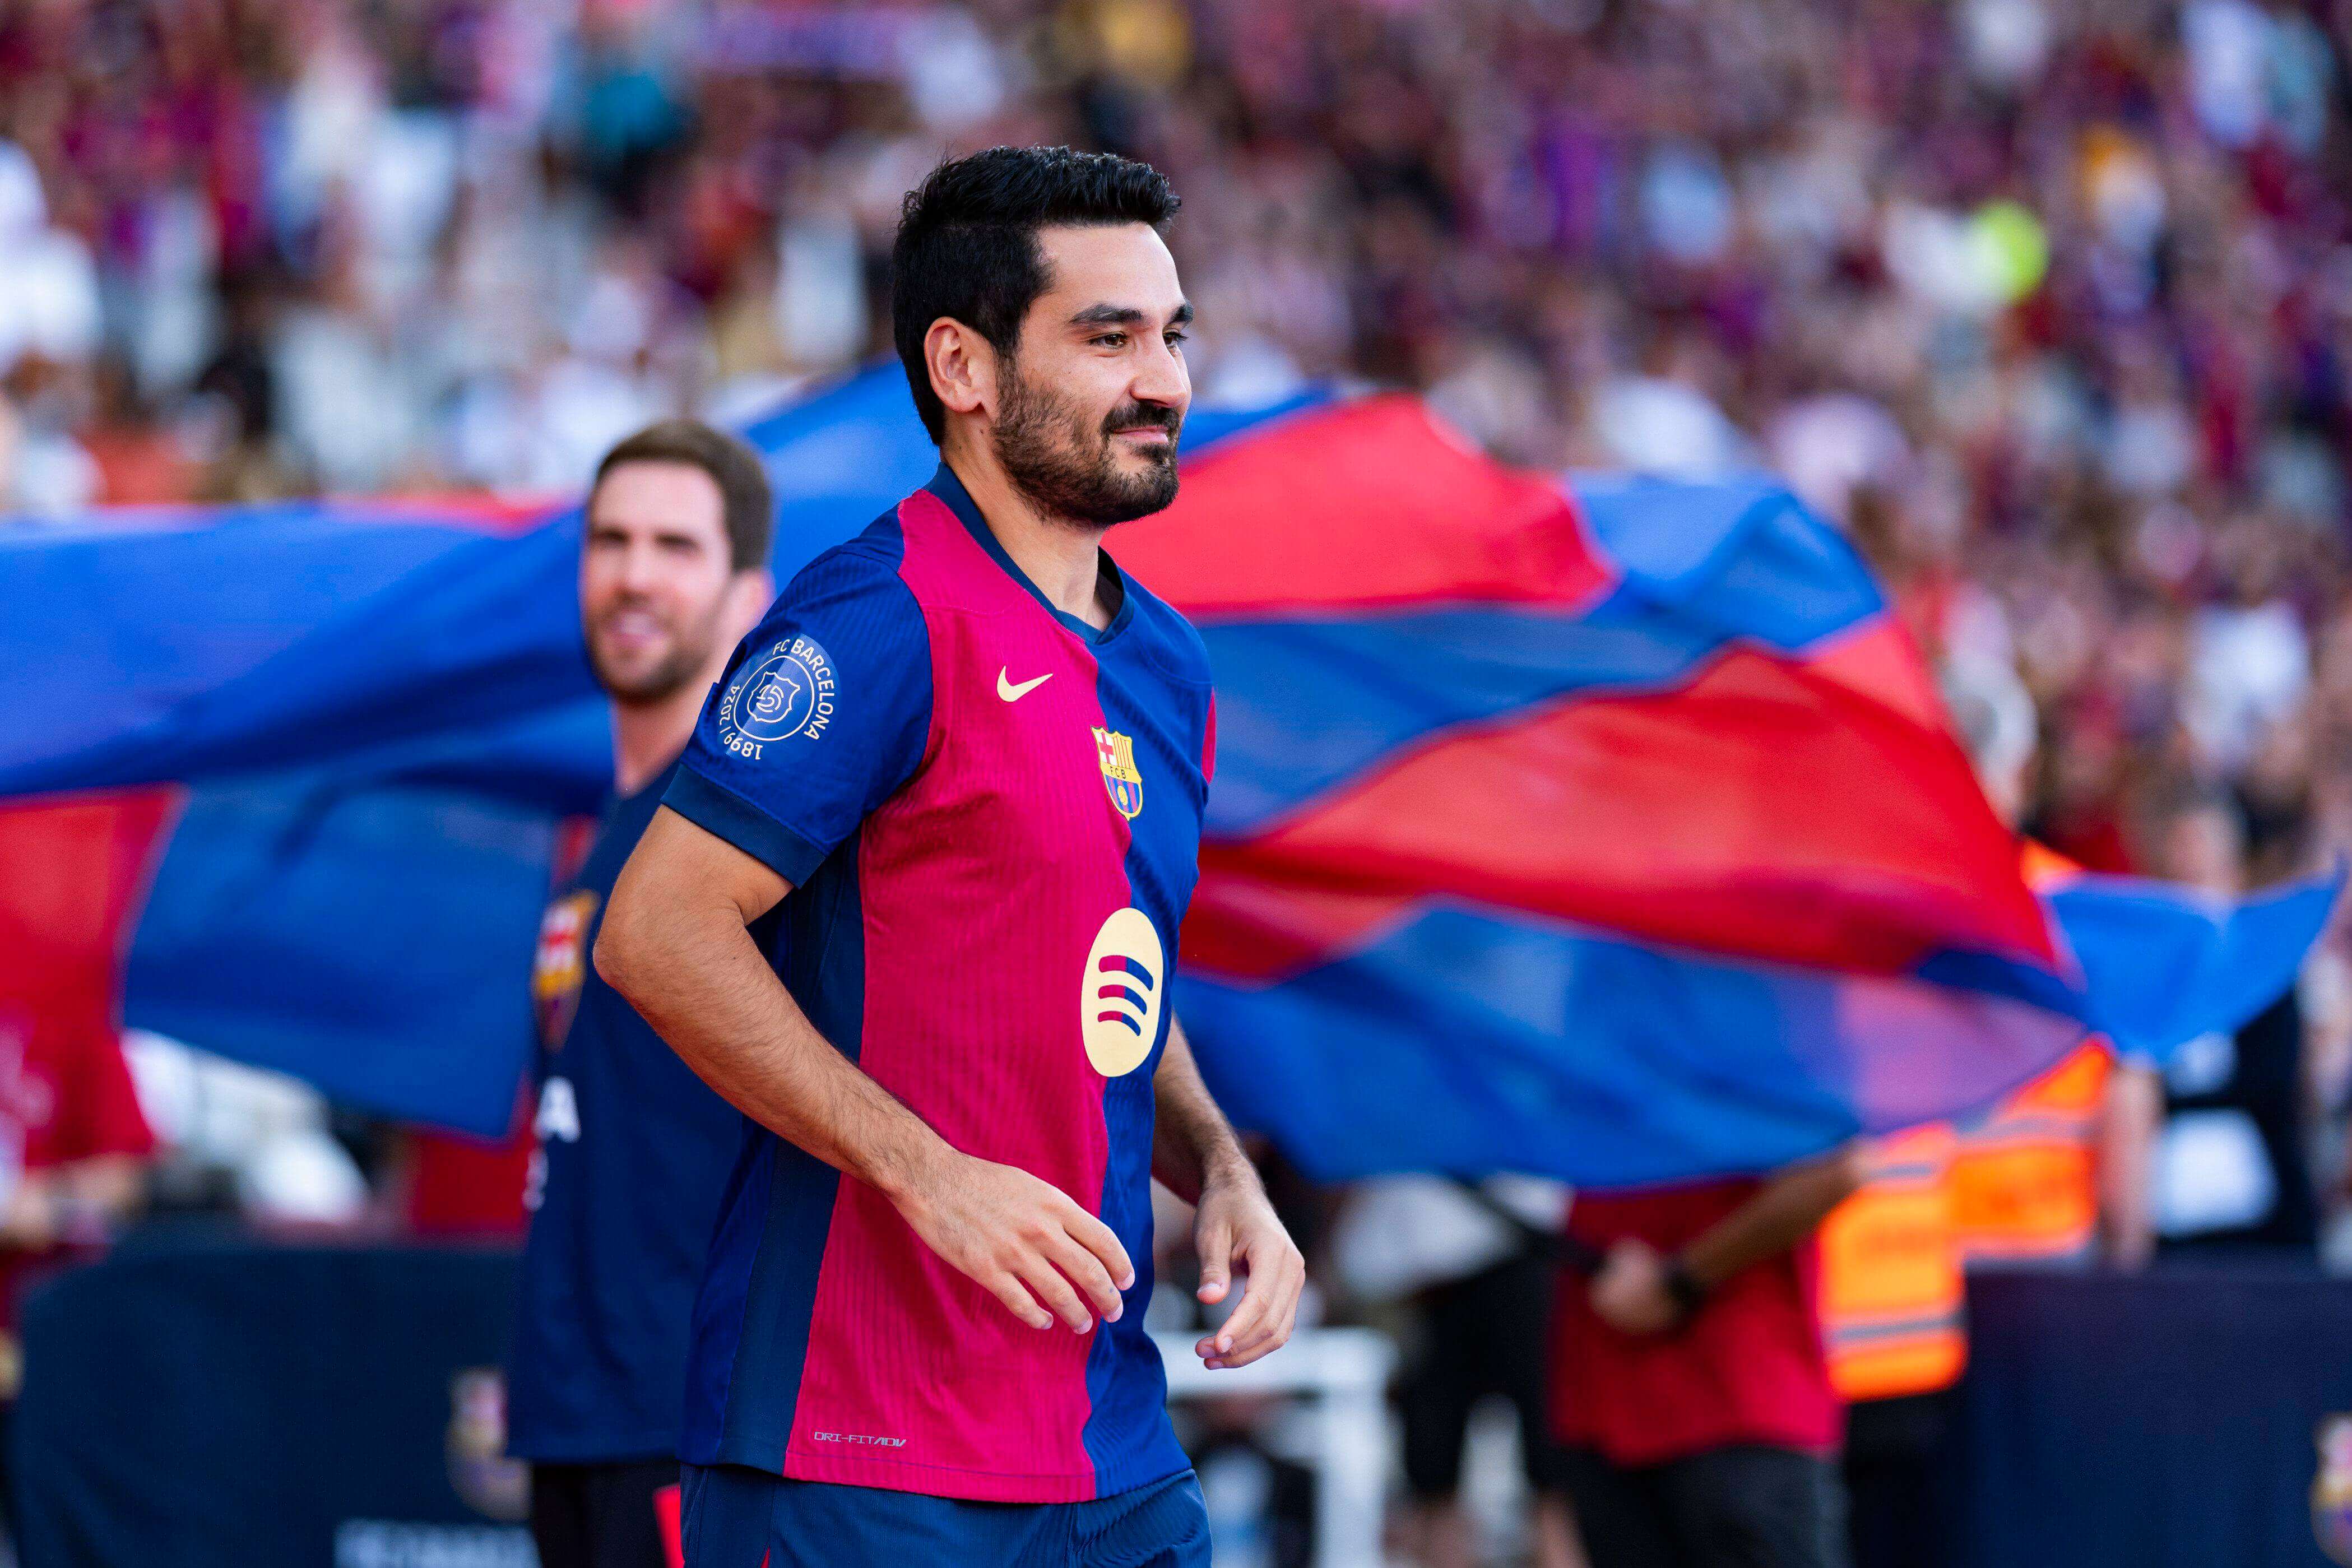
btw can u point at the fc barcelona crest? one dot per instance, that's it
(1116, 753)
(561, 964)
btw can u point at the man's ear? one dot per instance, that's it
(962, 366)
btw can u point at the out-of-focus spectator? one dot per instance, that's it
(244, 1140)
(2231, 1165)
(1689, 1376)
(1479, 1286)
(74, 1139)
(73, 1144)
(78, 1140)
(1891, 1307)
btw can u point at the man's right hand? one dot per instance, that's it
(1023, 1239)
(1630, 1292)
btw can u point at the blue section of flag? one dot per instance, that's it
(1467, 1041)
(1472, 1041)
(373, 940)
(160, 661)
(1742, 556)
(2164, 965)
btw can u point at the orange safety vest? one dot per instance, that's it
(1890, 1291)
(2025, 1186)
(2026, 1183)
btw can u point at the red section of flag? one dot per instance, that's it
(1364, 504)
(1244, 928)
(463, 1187)
(1767, 809)
(72, 874)
(1877, 659)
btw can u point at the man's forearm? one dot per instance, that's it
(2130, 1118)
(697, 977)
(1192, 1142)
(1782, 1212)
(674, 942)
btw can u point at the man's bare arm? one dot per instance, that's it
(674, 943)
(1191, 1140)
(1196, 1156)
(1782, 1212)
(2131, 1118)
(1635, 1290)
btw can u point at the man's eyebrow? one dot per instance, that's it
(1126, 316)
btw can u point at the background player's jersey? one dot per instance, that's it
(632, 1152)
(990, 814)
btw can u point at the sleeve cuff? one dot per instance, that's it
(716, 809)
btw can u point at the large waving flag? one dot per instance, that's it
(1617, 835)
(1612, 833)
(1609, 830)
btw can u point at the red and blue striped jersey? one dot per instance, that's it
(990, 812)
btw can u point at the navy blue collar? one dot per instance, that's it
(949, 489)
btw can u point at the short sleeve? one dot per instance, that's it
(822, 714)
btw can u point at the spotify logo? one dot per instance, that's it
(1119, 994)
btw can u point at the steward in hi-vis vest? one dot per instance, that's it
(1891, 1286)
(2025, 1181)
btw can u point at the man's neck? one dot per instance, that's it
(1063, 558)
(648, 737)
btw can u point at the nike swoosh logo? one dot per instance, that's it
(1012, 693)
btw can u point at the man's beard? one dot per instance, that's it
(1065, 464)
(688, 655)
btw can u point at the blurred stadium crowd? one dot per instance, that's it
(2051, 304)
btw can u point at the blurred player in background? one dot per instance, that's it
(632, 1148)
(1474, 1269)
(913, 903)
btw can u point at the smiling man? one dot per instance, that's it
(632, 1149)
(911, 904)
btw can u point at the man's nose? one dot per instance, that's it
(636, 569)
(1162, 381)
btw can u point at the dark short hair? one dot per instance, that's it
(967, 245)
(747, 506)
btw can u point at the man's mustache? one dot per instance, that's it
(1143, 416)
(624, 606)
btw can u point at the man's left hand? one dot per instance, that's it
(1236, 1232)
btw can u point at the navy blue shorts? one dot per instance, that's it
(739, 1518)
